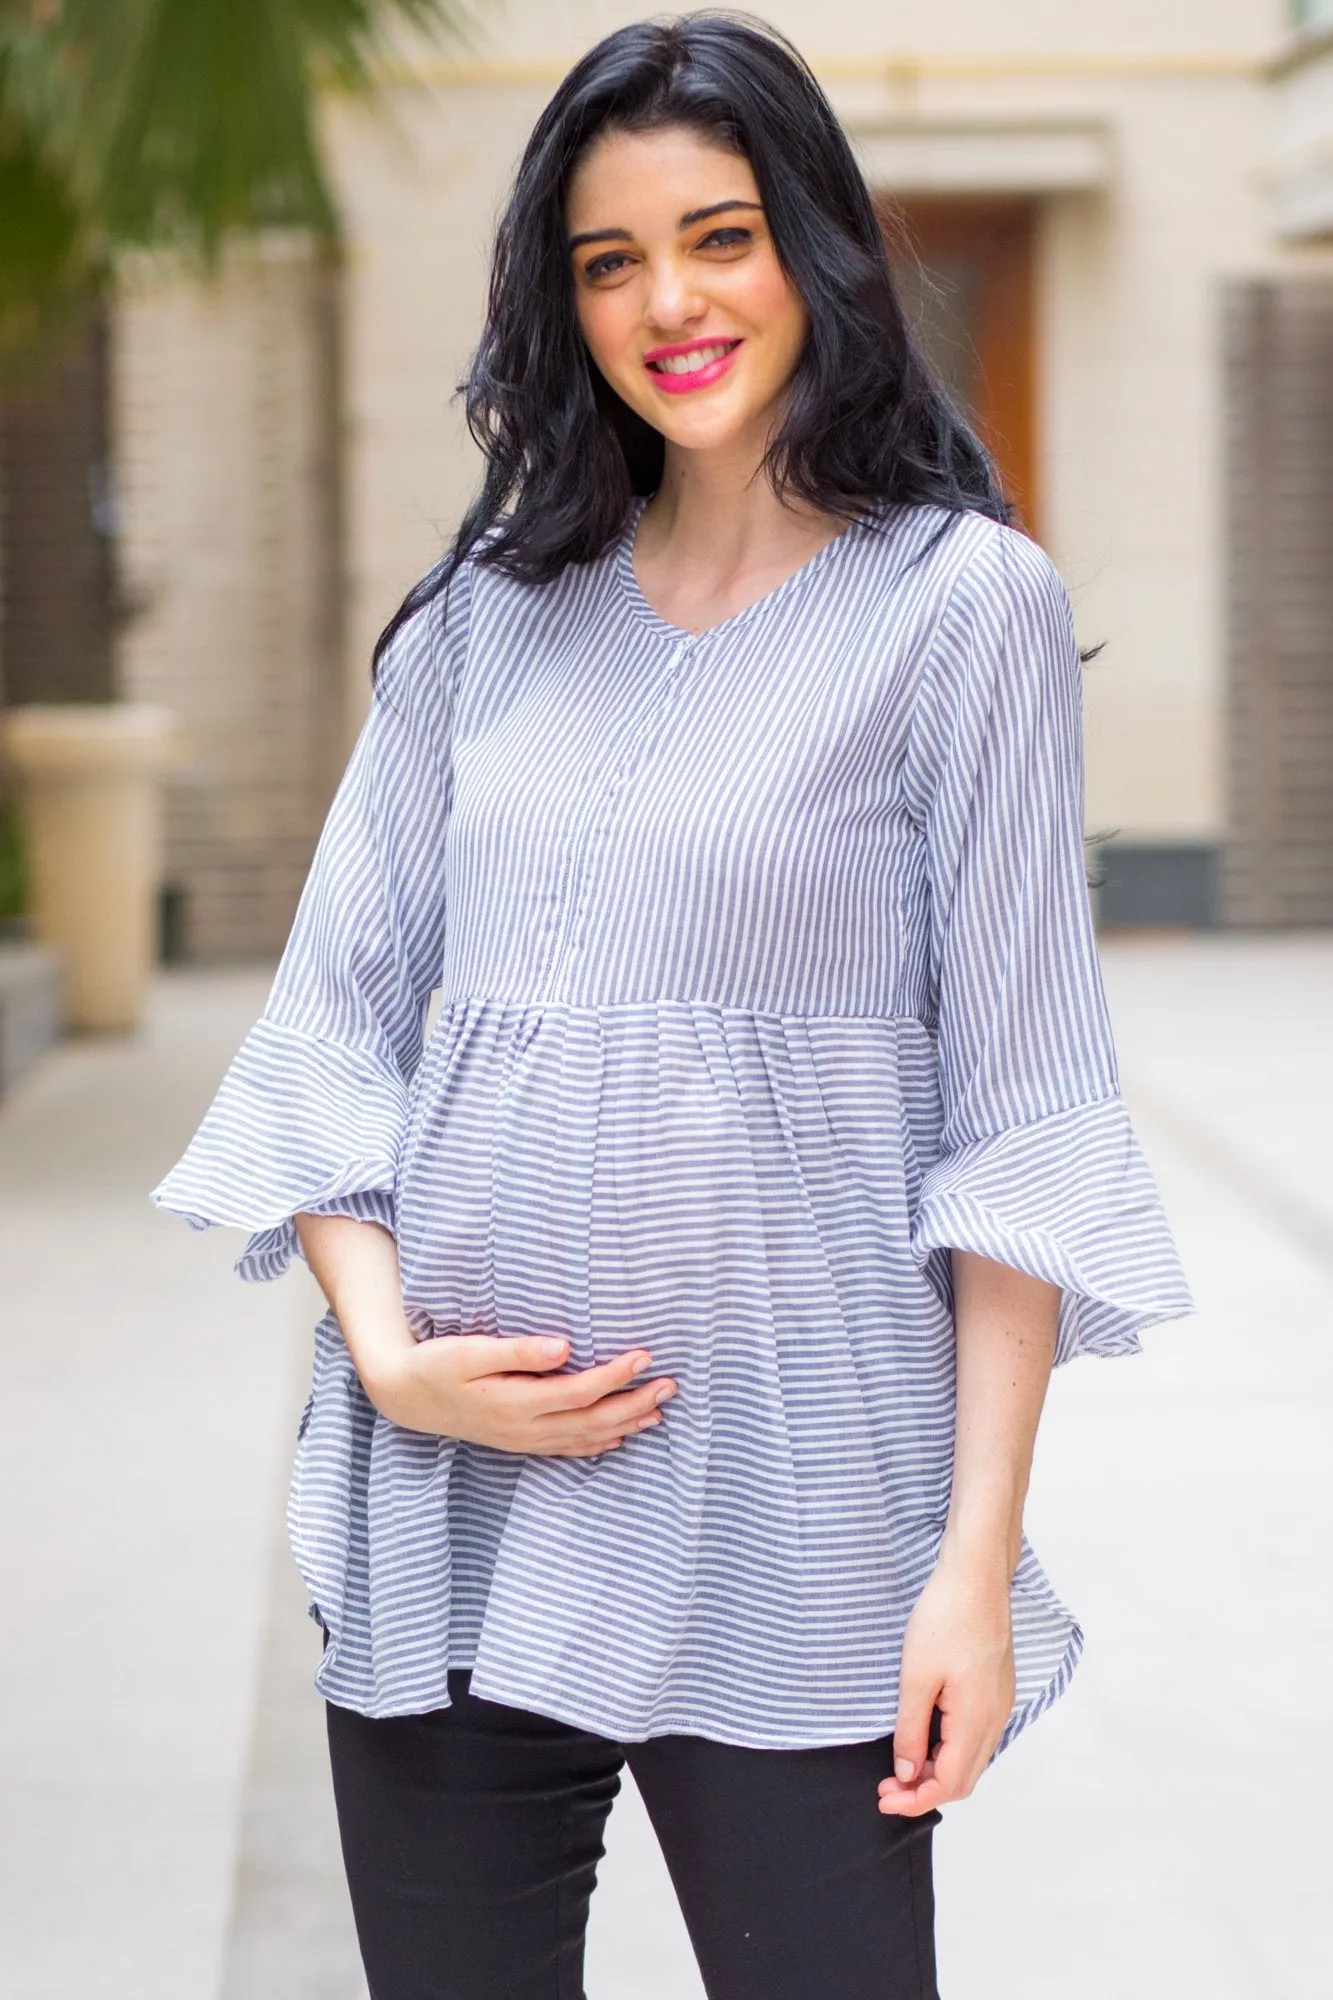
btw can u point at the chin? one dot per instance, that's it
(702, 437)
(705, 430)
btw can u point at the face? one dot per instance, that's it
(683, 303)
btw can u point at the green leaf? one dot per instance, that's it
(198, 116)
(50, 256)
(168, 122)
(13, 872)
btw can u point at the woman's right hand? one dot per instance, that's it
(504, 1393)
(501, 1392)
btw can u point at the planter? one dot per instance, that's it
(90, 788)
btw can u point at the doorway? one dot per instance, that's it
(965, 268)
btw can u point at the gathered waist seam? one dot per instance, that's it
(662, 1003)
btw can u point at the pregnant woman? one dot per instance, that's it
(695, 1286)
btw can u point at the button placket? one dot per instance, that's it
(586, 846)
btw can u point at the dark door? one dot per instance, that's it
(965, 268)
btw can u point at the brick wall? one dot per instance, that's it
(229, 466)
(1278, 862)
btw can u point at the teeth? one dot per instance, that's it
(688, 364)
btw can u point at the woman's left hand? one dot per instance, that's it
(958, 1656)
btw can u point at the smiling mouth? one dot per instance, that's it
(693, 360)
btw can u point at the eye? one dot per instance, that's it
(606, 265)
(730, 237)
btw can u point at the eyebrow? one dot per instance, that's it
(687, 221)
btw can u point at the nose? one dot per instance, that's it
(674, 300)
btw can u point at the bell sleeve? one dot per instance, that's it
(310, 1115)
(1038, 1166)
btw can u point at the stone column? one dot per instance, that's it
(90, 783)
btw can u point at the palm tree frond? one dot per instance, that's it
(50, 259)
(198, 118)
(168, 122)
(349, 37)
(199, 114)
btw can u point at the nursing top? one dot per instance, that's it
(766, 978)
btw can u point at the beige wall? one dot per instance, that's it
(1147, 128)
(1303, 135)
(1130, 401)
(1131, 414)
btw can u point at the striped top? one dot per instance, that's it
(766, 977)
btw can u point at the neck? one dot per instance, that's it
(716, 509)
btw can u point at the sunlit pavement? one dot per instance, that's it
(166, 1831)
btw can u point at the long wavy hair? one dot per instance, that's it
(867, 427)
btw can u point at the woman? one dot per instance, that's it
(693, 1295)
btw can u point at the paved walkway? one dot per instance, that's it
(166, 1832)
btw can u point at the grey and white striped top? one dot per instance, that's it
(766, 977)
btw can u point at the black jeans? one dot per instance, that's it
(471, 1838)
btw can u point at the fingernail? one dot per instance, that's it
(903, 1771)
(553, 1347)
(665, 1393)
(648, 1423)
(642, 1361)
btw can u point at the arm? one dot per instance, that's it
(311, 1113)
(489, 1391)
(958, 1652)
(1038, 1197)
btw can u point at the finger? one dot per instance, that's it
(583, 1433)
(953, 1759)
(618, 1414)
(964, 1751)
(963, 1772)
(527, 1354)
(892, 1787)
(577, 1448)
(578, 1391)
(576, 1434)
(949, 1775)
(912, 1801)
(911, 1732)
(602, 1424)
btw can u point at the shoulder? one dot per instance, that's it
(961, 562)
(417, 669)
(475, 620)
(964, 598)
(1004, 655)
(1006, 581)
(1006, 619)
(432, 631)
(504, 606)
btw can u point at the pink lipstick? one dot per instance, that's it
(690, 364)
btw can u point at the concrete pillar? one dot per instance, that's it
(90, 781)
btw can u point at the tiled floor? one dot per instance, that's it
(166, 1832)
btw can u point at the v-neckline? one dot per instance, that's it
(681, 634)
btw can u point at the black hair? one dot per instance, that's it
(868, 425)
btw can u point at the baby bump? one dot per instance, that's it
(731, 1191)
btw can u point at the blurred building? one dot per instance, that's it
(1126, 216)
(1278, 333)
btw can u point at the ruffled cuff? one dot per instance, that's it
(299, 1125)
(1070, 1199)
